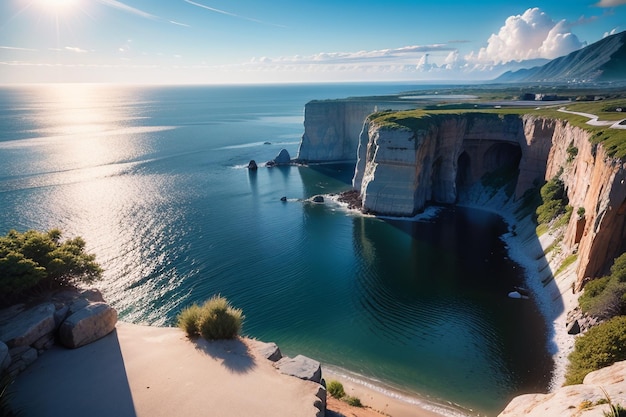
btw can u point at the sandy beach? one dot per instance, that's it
(157, 371)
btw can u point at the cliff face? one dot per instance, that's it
(399, 169)
(331, 128)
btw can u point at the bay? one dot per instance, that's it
(154, 179)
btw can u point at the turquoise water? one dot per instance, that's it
(154, 179)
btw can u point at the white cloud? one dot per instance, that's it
(528, 36)
(612, 32)
(407, 54)
(15, 48)
(75, 49)
(610, 3)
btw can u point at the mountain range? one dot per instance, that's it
(602, 61)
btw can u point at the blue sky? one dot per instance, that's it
(252, 41)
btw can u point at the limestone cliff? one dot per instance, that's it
(332, 127)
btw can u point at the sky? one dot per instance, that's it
(277, 41)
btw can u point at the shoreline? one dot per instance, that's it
(387, 400)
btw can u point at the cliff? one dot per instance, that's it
(403, 166)
(332, 127)
(408, 160)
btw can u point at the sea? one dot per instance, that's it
(154, 178)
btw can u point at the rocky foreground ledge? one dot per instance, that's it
(128, 370)
(72, 318)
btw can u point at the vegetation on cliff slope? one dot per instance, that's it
(601, 346)
(34, 260)
(606, 297)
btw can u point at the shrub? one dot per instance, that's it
(606, 297)
(353, 401)
(215, 319)
(34, 259)
(618, 269)
(601, 346)
(335, 389)
(554, 200)
(188, 320)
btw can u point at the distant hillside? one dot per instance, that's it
(604, 60)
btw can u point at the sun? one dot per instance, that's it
(57, 6)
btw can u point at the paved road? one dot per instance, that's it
(593, 120)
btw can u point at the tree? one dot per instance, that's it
(36, 259)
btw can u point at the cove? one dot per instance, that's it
(419, 305)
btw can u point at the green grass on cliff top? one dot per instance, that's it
(613, 140)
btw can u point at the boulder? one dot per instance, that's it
(21, 358)
(87, 325)
(270, 351)
(301, 367)
(317, 199)
(28, 326)
(573, 328)
(252, 165)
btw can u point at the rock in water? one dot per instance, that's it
(283, 158)
(317, 199)
(252, 165)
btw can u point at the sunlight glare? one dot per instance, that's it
(57, 6)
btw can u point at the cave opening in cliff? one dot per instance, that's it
(463, 171)
(501, 156)
(501, 164)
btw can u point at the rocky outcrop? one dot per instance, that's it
(301, 367)
(283, 158)
(73, 317)
(400, 169)
(585, 400)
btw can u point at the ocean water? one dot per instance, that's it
(154, 179)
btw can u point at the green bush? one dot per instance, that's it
(601, 346)
(215, 319)
(353, 401)
(606, 297)
(34, 259)
(335, 389)
(188, 320)
(618, 269)
(554, 200)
